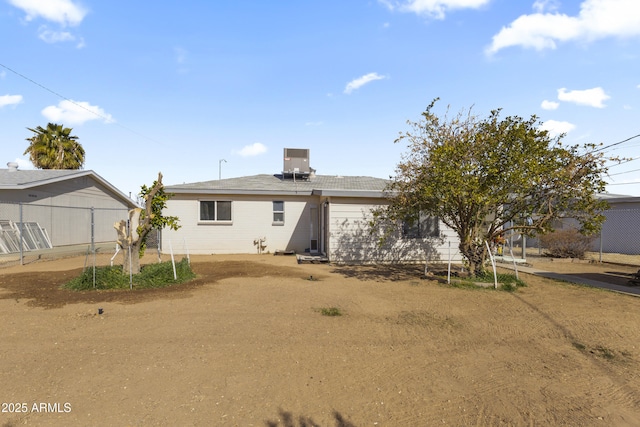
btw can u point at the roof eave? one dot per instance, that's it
(372, 194)
(221, 191)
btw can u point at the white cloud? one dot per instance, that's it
(51, 36)
(556, 128)
(589, 97)
(254, 149)
(64, 12)
(73, 113)
(361, 81)
(433, 8)
(549, 105)
(597, 19)
(541, 6)
(10, 100)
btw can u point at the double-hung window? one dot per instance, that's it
(215, 211)
(278, 213)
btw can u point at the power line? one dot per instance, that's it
(627, 146)
(622, 173)
(625, 183)
(616, 143)
(623, 162)
(55, 93)
(108, 119)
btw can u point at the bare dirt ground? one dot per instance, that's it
(246, 344)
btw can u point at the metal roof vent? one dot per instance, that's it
(13, 166)
(296, 163)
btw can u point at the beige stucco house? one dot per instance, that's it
(296, 211)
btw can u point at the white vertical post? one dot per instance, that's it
(515, 267)
(173, 261)
(449, 267)
(21, 236)
(158, 245)
(493, 263)
(93, 244)
(600, 256)
(130, 272)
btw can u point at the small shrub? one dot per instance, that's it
(509, 281)
(150, 276)
(331, 311)
(568, 243)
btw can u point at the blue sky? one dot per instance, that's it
(178, 86)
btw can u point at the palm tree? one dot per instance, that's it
(55, 148)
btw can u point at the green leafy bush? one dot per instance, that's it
(567, 243)
(150, 276)
(509, 281)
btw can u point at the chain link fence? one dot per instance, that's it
(618, 242)
(29, 232)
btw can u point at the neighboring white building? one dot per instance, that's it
(295, 211)
(66, 207)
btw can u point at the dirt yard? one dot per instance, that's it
(246, 344)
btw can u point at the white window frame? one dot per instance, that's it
(277, 212)
(215, 212)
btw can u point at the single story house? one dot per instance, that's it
(297, 211)
(57, 208)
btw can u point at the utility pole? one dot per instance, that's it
(220, 168)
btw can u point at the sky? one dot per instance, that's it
(201, 89)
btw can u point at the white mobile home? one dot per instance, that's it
(64, 207)
(621, 229)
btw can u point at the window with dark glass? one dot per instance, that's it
(420, 227)
(215, 210)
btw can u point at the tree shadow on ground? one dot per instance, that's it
(381, 273)
(286, 419)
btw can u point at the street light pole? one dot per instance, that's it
(220, 168)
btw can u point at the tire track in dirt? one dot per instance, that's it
(616, 388)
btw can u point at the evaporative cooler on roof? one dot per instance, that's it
(296, 163)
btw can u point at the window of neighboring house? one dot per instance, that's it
(422, 227)
(278, 213)
(215, 210)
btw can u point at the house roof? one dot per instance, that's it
(265, 184)
(31, 178)
(618, 197)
